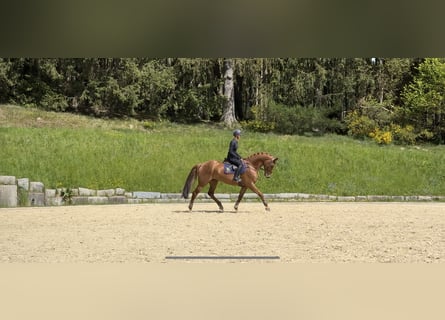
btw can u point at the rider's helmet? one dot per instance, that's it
(237, 132)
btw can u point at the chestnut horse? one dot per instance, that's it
(212, 172)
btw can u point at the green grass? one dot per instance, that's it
(76, 151)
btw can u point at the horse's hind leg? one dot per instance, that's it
(194, 195)
(211, 193)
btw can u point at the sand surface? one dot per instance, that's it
(293, 231)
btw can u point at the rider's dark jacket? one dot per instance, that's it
(232, 155)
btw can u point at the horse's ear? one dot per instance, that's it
(275, 160)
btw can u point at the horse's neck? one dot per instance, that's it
(257, 160)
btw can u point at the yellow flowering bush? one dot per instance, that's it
(380, 136)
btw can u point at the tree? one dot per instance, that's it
(391, 75)
(5, 79)
(424, 98)
(198, 92)
(157, 83)
(228, 117)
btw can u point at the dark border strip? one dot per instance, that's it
(222, 257)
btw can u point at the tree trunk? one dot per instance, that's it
(380, 82)
(228, 117)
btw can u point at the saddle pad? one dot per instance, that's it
(230, 168)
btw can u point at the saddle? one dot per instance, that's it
(231, 168)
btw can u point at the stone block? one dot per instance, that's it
(8, 196)
(171, 196)
(120, 192)
(117, 200)
(50, 193)
(220, 196)
(146, 195)
(247, 195)
(50, 197)
(79, 200)
(54, 201)
(287, 195)
(7, 180)
(378, 198)
(36, 199)
(346, 199)
(134, 201)
(106, 193)
(84, 192)
(37, 187)
(23, 183)
(97, 200)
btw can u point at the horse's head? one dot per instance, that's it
(269, 164)
(263, 160)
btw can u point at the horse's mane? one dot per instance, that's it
(258, 154)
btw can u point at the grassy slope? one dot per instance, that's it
(75, 151)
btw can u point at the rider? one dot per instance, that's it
(233, 157)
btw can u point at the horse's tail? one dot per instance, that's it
(188, 183)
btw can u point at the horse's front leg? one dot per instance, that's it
(260, 194)
(240, 197)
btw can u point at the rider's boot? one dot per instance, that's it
(236, 176)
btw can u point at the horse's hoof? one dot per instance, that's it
(267, 209)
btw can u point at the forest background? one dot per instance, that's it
(389, 100)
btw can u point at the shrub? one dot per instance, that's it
(381, 136)
(301, 120)
(258, 125)
(374, 122)
(149, 125)
(425, 135)
(359, 126)
(22, 197)
(403, 135)
(54, 101)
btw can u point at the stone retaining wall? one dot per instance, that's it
(22, 192)
(8, 191)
